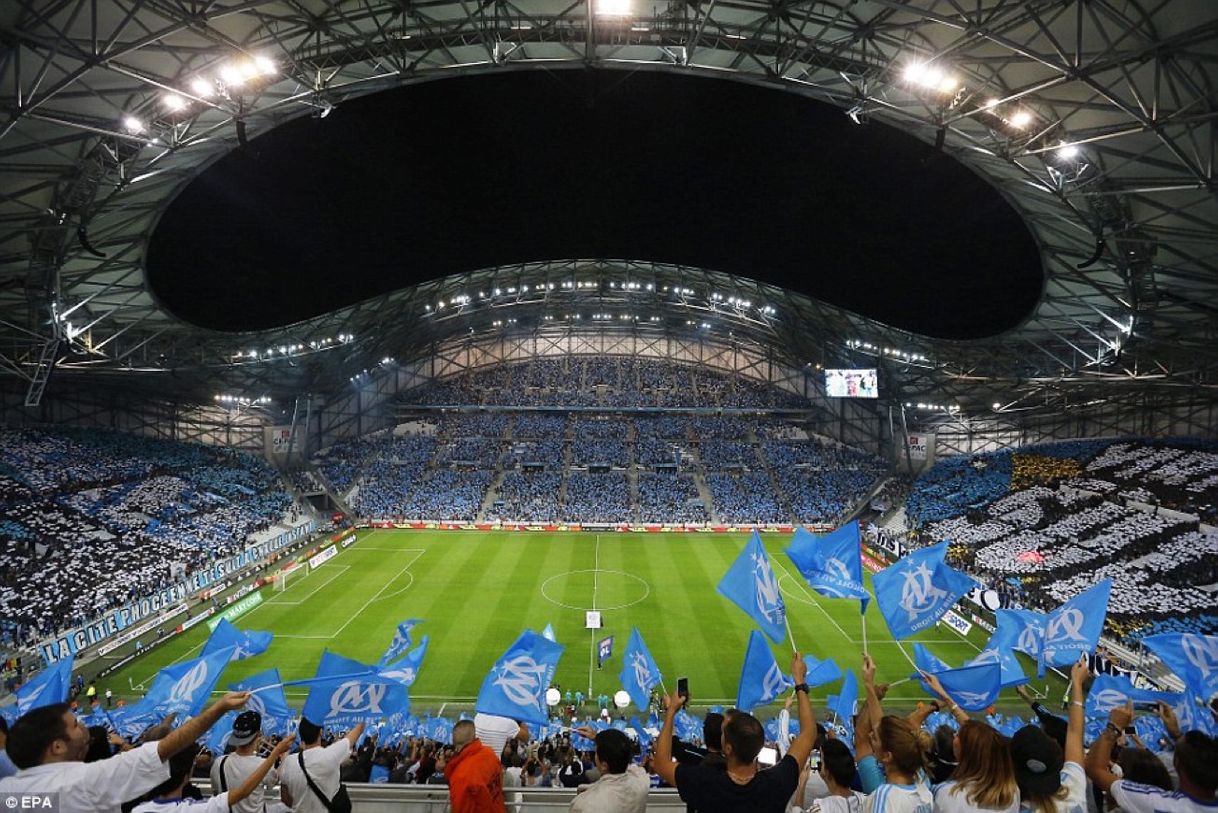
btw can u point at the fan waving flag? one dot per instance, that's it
(401, 640)
(915, 592)
(1000, 650)
(244, 644)
(1194, 658)
(268, 699)
(821, 672)
(406, 671)
(640, 673)
(761, 679)
(344, 692)
(1024, 629)
(832, 564)
(927, 662)
(1074, 628)
(516, 685)
(750, 584)
(975, 688)
(842, 706)
(185, 687)
(51, 685)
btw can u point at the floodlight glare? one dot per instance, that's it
(997, 406)
(248, 69)
(174, 102)
(231, 75)
(1021, 119)
(613, 8)
(948, 83)
(201, 87)
(915, 72)
(133, 125)
(1067, 151)
(265, 65)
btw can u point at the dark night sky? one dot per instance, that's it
(464, 173)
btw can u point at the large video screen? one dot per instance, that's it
(851, 384)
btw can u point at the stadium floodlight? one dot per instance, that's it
(1020, 119)
(992, 102)
(248, 69)
(613, 8)
(1067, 151)
(174, 102)
(997, 406)
(265, 65)
(231, 75)
(948, 84)
(202, 87)
(133, 125)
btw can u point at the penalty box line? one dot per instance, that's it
(418, 552)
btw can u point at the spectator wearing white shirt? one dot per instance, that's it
(48, 744)
(494, 731)
(1052, 780)
(837, 771)
(167, 797)
(622, 787)
(231, 770)
(984, 778)
(313, 762)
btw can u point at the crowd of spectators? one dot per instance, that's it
(746, 497)
(527, 497)
(91, 520)
(670, 497)
(596, 498)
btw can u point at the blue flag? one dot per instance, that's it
(642, 733)
(184, 688)
(842, 706)
(401, 640)
(1193, 714)
(244, 644)
(216, 737)
(406, 671)
(761, 679)
(268, 699)
(927, 662)
(821, 672)
(131, 721)
(975, 688)
(1000, 650)
(915, 592)
(516, 685)
(1074, 628)
(345, 692)
(1024, 628)
(439, 729)
(687, 726)
(548, 633)
(640, 673)
(1194, 658)
(379, 774)
(51, 685)
(750, 584)
(832, 564)
(1112, 691)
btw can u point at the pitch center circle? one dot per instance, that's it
(612, 585)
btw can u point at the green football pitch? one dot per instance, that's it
(476, 591)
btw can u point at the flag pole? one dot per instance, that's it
(863, 616)
(901, 646)
(787, 620)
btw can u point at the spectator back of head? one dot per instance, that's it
(309, 732)
(34, 732)
(1196, 760)
(614, 749)
(838, 762)
(743, 737)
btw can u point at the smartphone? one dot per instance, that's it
(683, 689)
(814, 759)
(768, 756)
(1130, 730)
(1146, 705)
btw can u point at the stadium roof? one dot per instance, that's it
(1095, 120)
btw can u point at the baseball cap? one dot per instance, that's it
(247, 726)
(1038, 761)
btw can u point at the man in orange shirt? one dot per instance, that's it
(475, 777)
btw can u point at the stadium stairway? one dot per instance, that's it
(779, 494)
(492, 493)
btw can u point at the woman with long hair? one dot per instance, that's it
(1050, 779)
(897, 747)
(984, 778)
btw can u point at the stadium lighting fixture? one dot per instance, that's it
(1067, 151)
(248, 69)
(613, 8)
(174, 102)
(231, 75)
(1021, 119)
(997, 406)
(265, 65)
(948, 84)
(133, 125)
(201, 87)
(992, 102)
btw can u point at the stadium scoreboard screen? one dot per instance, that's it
(851, 384)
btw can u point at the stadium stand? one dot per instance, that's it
(90, 520)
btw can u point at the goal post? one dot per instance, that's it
(282, 578)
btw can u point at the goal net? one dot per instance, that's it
(281, 579)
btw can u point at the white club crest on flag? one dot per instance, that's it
(354, 697)
(773, 683)
(1202, 652)
(642, 669)
(769, 603)
(1029, 641)
(986, 656)
(971, 698)
(522, 680)
(1106, 700)
(1065, 627)
(184, 689)
(837, 568)
(919, 594)
(256, 703)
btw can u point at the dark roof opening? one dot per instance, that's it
(442, 177)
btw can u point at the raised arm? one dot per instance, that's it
(354, 734)
(801, 746)
(1098, 768)
(932, 680)
(1075, 724)
(665, 768)
(197, 726)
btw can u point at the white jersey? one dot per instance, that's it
(216, 804)
(838, 804)
(890, 798)
(94, 787)
(951, 798)
(1134, 797)
(323, 765)
(237, 769)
